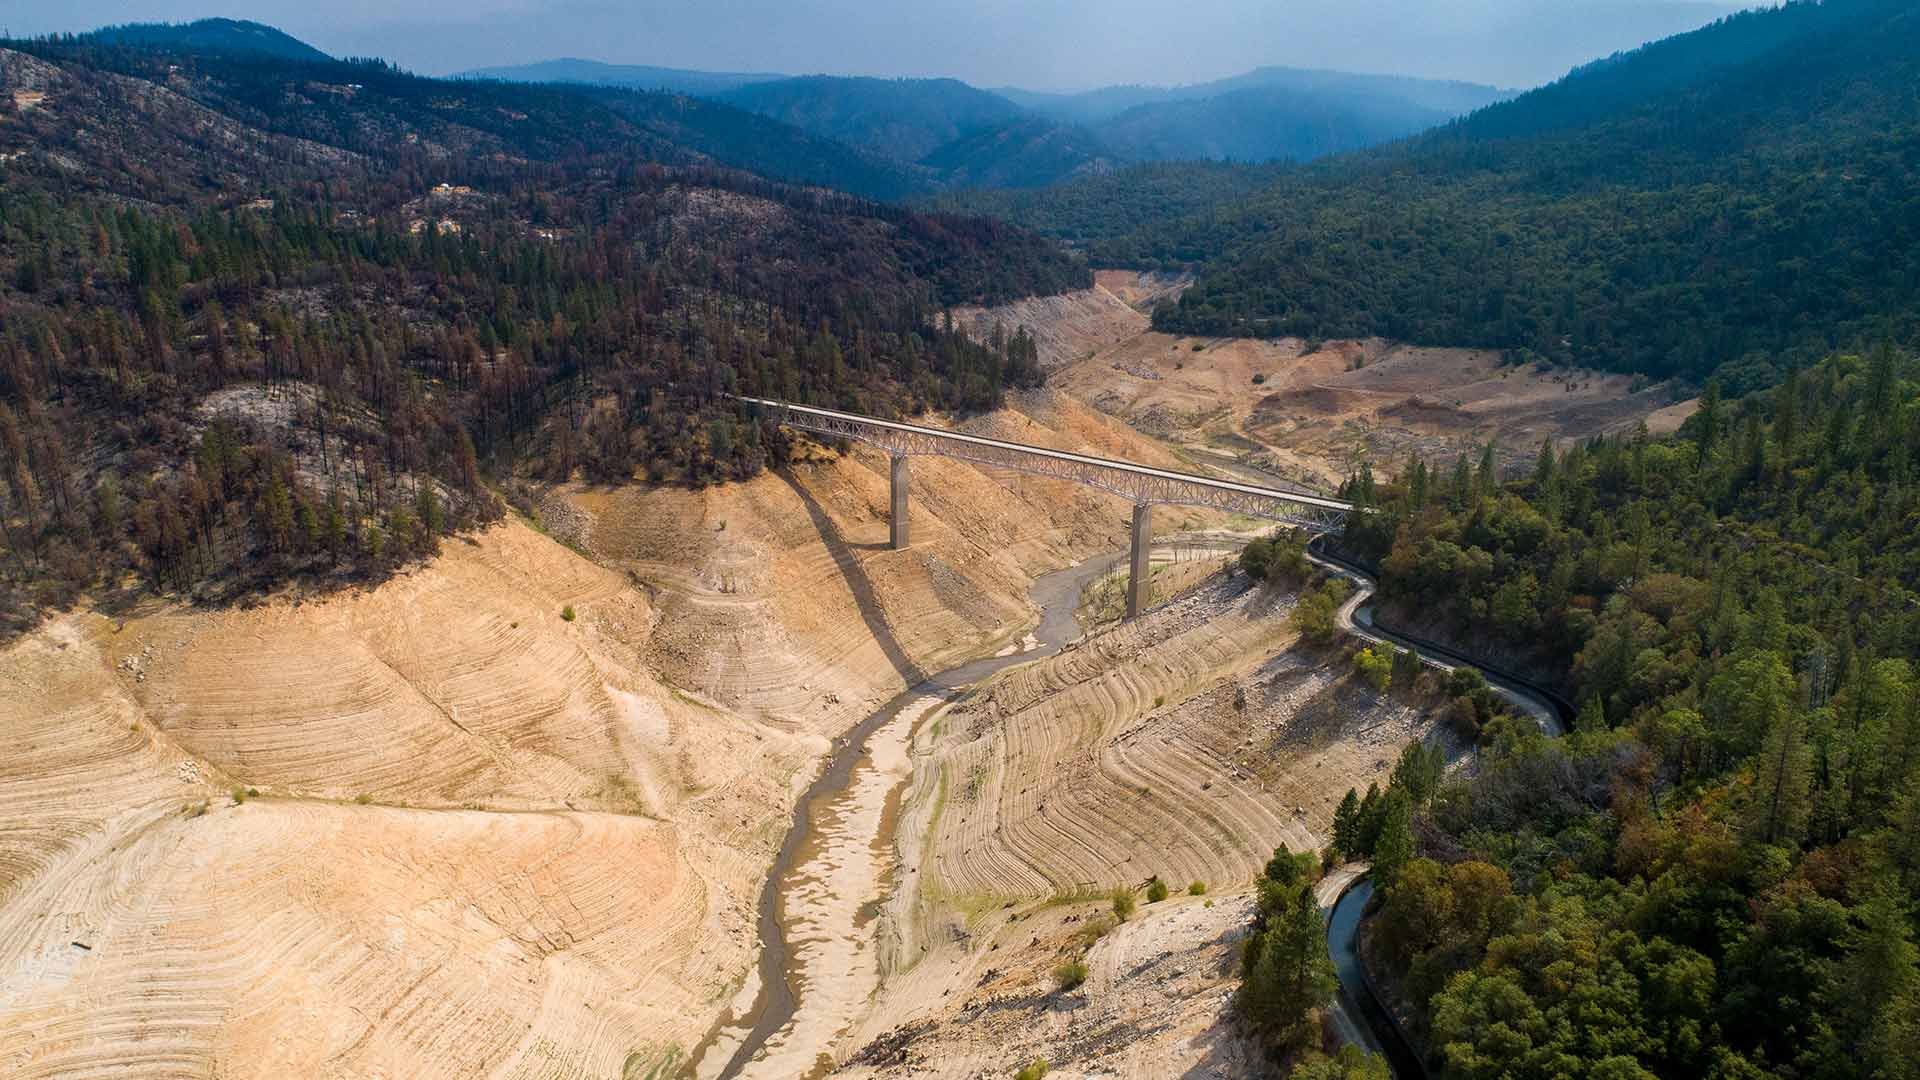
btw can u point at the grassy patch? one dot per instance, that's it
(1070, 974)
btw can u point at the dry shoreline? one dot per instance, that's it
(829, 800)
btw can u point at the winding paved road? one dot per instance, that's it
(1357, 1013)
(1552, 711)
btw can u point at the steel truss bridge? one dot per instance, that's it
(1145, 487)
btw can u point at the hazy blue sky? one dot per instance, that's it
(1040, 44)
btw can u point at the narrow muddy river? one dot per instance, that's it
(818, 967)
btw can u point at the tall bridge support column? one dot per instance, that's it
(899, 501)
(1140, 579)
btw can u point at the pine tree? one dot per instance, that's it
(1346, 825)
(1783, 786)
(1285, 966)
(1592, 718)
(1710, 418)
(1369, 820)
(1877, 994)
(1394, 847)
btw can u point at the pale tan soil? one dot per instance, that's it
(492, 842)
(488, 841)
(1188, 745)
(780, 597)
(1157, 1002)
(1668, 420)
(1315, 415)
(1142, 290)
(588, 904)
(1066, 328)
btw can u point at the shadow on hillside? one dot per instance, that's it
(857, 581)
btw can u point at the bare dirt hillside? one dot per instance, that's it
(1312, 414)
(484, 837)
(781, 598)
(1186, 745)
(1143, 289)
(1067, 327)
(435, 828)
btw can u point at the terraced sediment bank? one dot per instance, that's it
(817, 968)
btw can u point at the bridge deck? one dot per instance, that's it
(1140, 482)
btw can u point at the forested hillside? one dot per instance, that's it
(1110, 216)
(628, 76)
(1262, 124)
(1743, 195)
(1715, 874)
(968, 139)
(370, 107)
(211, 35)
(904, 119)
(263, 320)
(1098, 106)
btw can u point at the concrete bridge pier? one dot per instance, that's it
(899, 520)
(1140, 578)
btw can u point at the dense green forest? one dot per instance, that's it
(292, 358)
(1715, 874)
(1107, 215)
(1743, 196)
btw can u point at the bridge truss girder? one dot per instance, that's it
(1141, 489)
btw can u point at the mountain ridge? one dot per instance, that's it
(226, 35)
(1736, 199)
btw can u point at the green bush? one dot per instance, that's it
(1375, 667)
(1070, 974)
(1156, 891)
(567, 613)
(1316, 616)
(1123, 904)
(1198, 888)
(1281, 557)
(1034, 1071)
(1406, 668)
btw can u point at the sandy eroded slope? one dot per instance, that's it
(1314, 411)
(1186, 745)
(483, 840)
(780, 596)
(488, 841)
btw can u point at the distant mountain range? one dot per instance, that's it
(1107, 103)
(630, 76)
(961, 136)
(1736, 200)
